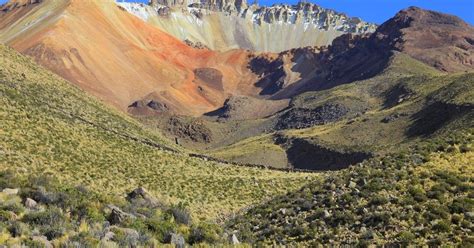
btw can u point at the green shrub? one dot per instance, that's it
(49, 217)
(181, 215)
(417, 193)
(436, 211)
(442, 226)
(15, 207)
(6, 216)
(205, 232)
(160, 228)
(378, 200)
(406, 237)
(18, 229)
(54, 232)
(462, 205)
(33, 243)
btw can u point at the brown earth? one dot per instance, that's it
(141, 69)
(119, 58)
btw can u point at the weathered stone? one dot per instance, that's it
(30, 203)
(10, 191)
(141, 194)
(178, 240)
(326, 214)
(234, 240)
(118, 216)
(352, 184)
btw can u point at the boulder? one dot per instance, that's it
(178, 240)
(30, 203)
(352, 184)
(142, 195)
(234, 240)
(326, 214)
(118, 216)
(9, 191)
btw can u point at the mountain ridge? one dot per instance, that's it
(237, 25)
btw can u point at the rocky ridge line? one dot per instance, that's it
(307, 13)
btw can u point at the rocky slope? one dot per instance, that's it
(421, 197)
(224, 25)
(439, 40)
(121, 59)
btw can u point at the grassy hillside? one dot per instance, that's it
(422, 196)
(51, 128)
(408, 102)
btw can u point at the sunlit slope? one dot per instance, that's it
(49, 126)
(118, 57)
(408, 102)
(420, 197)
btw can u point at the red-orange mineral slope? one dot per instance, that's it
(119, 58)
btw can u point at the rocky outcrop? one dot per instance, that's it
(246, 108)
(229, 24)
(142, 197)
(311, 14)
(9, 191)
(30, 203)
(298, 118)
(197, 44)
(117, 216)
(308, 13)
(193, 130)
(148, 107)
(177, 240)
(12, 4)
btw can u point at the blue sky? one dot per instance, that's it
(379, 11)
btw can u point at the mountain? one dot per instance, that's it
(121, 59)
(225, 25)
(367, 86)
(139, 137)
(439, 40)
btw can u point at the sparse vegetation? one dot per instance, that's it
(382, 201)
(68, 165)
(51, 128)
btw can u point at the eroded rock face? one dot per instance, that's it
(117, 216)
(280, 13)
(230, 24)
